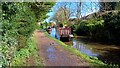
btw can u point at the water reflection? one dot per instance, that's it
(51, 54)
(109, 54)
(83, 48)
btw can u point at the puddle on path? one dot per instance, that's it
(51, 56)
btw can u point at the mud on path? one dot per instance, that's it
(55, 55)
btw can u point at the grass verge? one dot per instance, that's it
(26, 53)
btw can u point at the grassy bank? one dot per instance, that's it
(29, 52)
(94, 61)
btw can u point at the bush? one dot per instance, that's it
(18, 24)
(105, 28)
(112, 26)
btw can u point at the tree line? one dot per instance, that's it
(103, 25)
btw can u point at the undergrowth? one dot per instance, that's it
(23, 54)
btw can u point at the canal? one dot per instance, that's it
(108, 53)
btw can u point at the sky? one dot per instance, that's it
(72, 6)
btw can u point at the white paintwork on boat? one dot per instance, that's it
(71, 36)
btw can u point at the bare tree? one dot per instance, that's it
(63, 14)
(79, 9)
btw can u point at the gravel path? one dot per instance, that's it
(55, 55)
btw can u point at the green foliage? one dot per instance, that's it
(117, 7)
(107, 27)
(41, 9)
(87, 26)
(74, 27)
(25, 53)
(19, 20)
(44, 25)
(112, 26)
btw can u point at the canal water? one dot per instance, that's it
(109, 54)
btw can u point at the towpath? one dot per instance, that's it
(55, 55)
